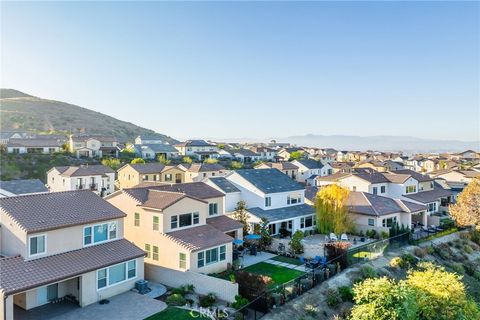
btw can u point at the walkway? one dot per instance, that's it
(286, 265)
(248, 260)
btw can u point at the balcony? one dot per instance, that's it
(93, 186)
(80, 187)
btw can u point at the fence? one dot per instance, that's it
(285, 292)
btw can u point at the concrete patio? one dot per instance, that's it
(126, 306)
(249, 260)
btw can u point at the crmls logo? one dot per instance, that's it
(214, 313)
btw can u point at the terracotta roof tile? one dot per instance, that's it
(198, 238)
(224, 223)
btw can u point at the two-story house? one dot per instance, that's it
(97, 178)
(131, 175)
(63, 244)
(265, 153)
(308, 169)
(286, 167)
(181, 227)
(198, 149)
(195, 172)
(270, 194)
(93, 146)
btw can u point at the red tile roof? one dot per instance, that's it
(198, 238)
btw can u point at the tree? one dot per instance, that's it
(466, 211)
(442, 164)
(296, 242)
(187, 160)
(236, 165)
(266, 239)
(383, 299)
(137, 160)
(163, 160)
(331, 209)
(210, 160)
(297, 155)
(112, 163)
(242, 215)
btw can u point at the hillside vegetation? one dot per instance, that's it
(22, 111)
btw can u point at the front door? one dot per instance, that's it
(52, 292)
(42, 296)
(178, 178)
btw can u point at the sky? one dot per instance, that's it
(254, 69)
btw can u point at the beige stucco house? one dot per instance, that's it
(181, 226)
(93, 146)
(63, 245)
(131, 175)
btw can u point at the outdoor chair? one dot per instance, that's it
(333, 237)
(344, 237)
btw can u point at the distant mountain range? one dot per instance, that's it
(20, 111)
(383, 143)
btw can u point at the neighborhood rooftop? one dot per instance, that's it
(158, 199)
(47, 211)
(198, 238)
(284, 213)
(225, 185)
(198, 190)
(20, 187)
(86, 170)
(375, 205)
(270, 180)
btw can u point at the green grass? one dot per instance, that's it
(278, 274)
(176, 313)
(287, 260)
(439, 234)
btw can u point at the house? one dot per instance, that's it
(198, 149)
(146, 139)
(5, 136)
(245, 155)
(429, 165)
(309, 169)
(414, 163)
(131, 175)
(286, 167)
(195, 172)
(63, 244)
(376, 165)
(93, 146)
(391, 165)
(97, 178)
(231, 192)
(265, 153)
(468, 155)
(342, 156)
(181, 227)
(284, 154)
(155, 150)
(21, 187)
(344, 167)
(457, 180)
(375, 212)
(33, 145)
(270, 194)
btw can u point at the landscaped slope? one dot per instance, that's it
(22, 111)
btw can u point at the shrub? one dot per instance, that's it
(176, 299)
(476, 275)
(429, 250)
(396, 262)
(465, 235)
(296, 242)
(368, 272)
(384, 235)
(333, 298)
(178, 291)
(467, 249)
(346, 293)
(208, 300)
(475, 236)
(240, 302)
(470, 268)
(458, 268)
(408, 260)
(420, 252)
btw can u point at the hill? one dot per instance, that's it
(20, 111)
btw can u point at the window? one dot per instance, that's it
(211, 255)
(200, 259)
(431, 184)
(212, 209)
(37, 245)
(136, 221)
(290, 224)
(196, 218)
(155, 253)
(354, 188)
(432, 207)
(168, 177)
(87, 235)
(148, 250)
(375, 190)
(294, 199)
(223, 252)
(306, 222)
(382, 189)
(389, 222)
(101, 278)
(131, 269)
(115, 274)
(371, 222)
(182, 261)
(268, 201)
(185, 220)
(99, 233)
(410, 189)
(145, 178)
(156, 221)
(173, 222)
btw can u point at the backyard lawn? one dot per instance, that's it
(287, 260)
(278, 274)
(177, 314)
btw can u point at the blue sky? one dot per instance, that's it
(254, 70)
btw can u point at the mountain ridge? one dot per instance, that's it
(20, 111)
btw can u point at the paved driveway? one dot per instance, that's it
(126, 306)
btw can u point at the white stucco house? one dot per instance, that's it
(97, 178)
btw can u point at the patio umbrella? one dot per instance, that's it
(237, 241)
(253, 237)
